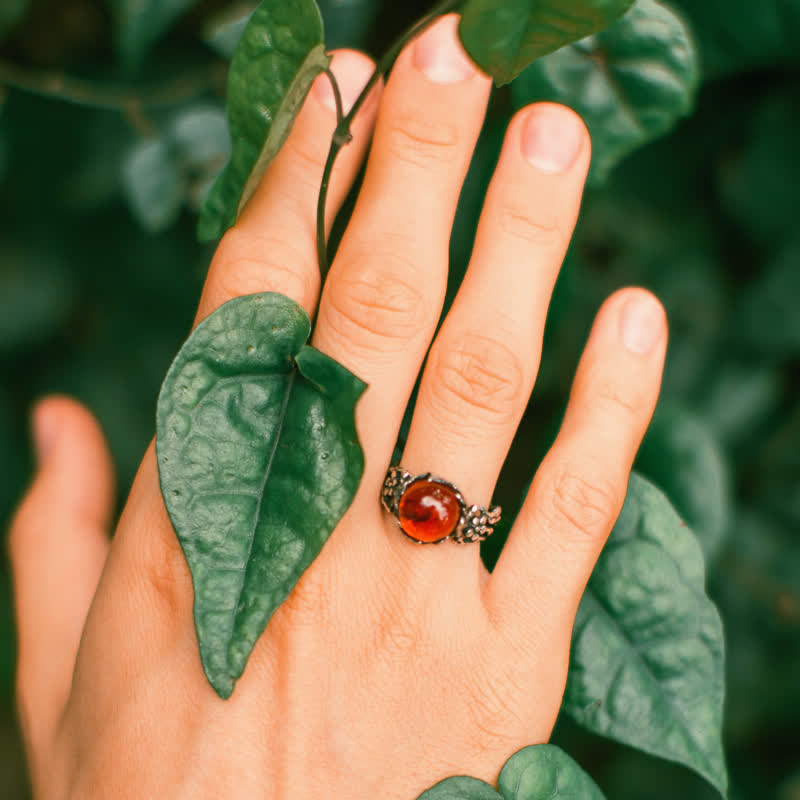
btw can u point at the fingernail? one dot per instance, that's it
(641, 324)
(552, 138)
(439, 54)
(45, 431)
(352, 72)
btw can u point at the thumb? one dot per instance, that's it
(58, 544)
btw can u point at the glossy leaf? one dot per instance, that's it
(647, 662)
(630, 84)
(545, 772)
(153, 184)
(505, 36)
(461, 788)
(682, 457)
(279, 54)
(141, 23)
(539, 772)
(259, 459)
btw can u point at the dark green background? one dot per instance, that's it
(95, 299)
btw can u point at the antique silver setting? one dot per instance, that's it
(475, 524)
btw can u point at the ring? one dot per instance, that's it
(430, 510)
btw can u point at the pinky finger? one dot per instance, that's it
(580, 487)
(58, 544)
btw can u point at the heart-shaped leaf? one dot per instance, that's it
(630, 84)
(278, 56)
(540, 772)
(647, 663)
(505, 36)
(259, 460)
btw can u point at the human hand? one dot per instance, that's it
(390, 666)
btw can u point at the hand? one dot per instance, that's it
(391, 665)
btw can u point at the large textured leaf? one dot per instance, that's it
(630, 84)
(647, 665)
(259, 459)
(278, 56)
(505, 36)
(141, 23)
(540, 772)
(681, 456)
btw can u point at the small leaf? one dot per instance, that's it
(461, 788)
(682, 457)
(647, 664)
(153, 184)
(545, 772)
(141, 23)
(200, 137)
(505, 36)
(259, 460)
(280, 53)
(630, 84)
(539, 772)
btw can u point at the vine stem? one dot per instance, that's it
(125, 99)
(343, 135)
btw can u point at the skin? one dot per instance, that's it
(390, 666)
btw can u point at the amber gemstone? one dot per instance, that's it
(429, 511)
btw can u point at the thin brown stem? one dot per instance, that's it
(343, 134)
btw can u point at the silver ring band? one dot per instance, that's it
(475, 523)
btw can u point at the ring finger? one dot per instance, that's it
(483, 364)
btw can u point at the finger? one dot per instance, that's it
(58, 545)
(273, 245)
(578, 491)
(483, 364)
(383, 298)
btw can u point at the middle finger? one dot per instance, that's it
(383, 297)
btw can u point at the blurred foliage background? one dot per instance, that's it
(112, 126)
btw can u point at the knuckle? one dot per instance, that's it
(422, 142)
(611, 398)
(375, 303)
(587, 508)
(245, 264)
(474, 374)
(519, 224)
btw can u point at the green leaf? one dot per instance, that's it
(545, 772)
(259, 460)
(539, 772)
(153, 184)
(505, 36)
(280, 53)
(630, 84)
(141, 23)
(647, 664)
(682, 457)
(460, 788)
